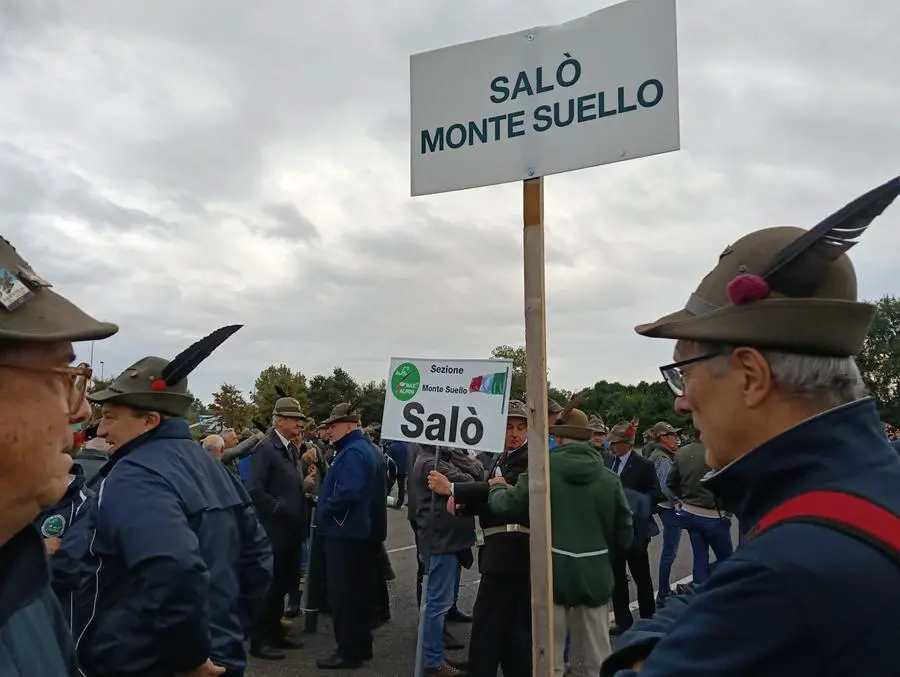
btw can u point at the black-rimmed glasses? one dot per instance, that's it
(673, 374)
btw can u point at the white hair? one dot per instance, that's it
(213, 443)
(831, 381)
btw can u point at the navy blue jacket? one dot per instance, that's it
(799, 599)
(176, 565)
(398, 452)
(34, 638)
(56, 521)
(896, 445)
(62, 521)
(344, 508)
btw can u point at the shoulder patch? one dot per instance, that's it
(53, 526)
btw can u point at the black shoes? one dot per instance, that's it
(335, 662)
(457, 616)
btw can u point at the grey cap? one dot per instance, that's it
(517, 409)
(30, 311)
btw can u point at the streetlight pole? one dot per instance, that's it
(101, 371)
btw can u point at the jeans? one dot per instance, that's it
(707, 533)
(671, 538)
(442, 576)
(304, 555)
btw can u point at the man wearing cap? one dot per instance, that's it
(665, 437)
(501, 618)
(177, 558)
(642, 493)
(763, 362)
(590, 522)
(275, 483)
(600, 432)
(344, 519)
(41, 396)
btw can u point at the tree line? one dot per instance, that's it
(648, 401)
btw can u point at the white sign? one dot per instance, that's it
(552, 99)
(453, 403)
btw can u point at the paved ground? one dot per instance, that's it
(395, 643)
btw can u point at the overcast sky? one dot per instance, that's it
(177, 165)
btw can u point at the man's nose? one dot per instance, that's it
(681, 406)
(83, 413)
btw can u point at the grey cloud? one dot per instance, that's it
(165, 129)
(291, 223)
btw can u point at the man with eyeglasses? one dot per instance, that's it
(177, 561)
(41, 396)
(764, 364)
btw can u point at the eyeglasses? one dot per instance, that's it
(77, 378)
(673, 374)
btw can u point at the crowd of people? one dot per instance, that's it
(164, 563)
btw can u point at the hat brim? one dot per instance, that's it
(352, 418)
(789, 324)
(171, 404)
(289, 414)
(54, 318)
(616, 439)
(571, 432)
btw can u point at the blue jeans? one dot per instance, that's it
(443, 574)
(671, 538)
(707, 533)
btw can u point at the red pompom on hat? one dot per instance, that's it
(629, 431)
(158, 385)
(747, 288)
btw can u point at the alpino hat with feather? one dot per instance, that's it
(785, 288)
(156, 384)
(345, 412)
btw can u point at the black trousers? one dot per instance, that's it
(285, 569)
(420, 567)
(637, 559)
(401, 489)
(350, 595)
(501, 626)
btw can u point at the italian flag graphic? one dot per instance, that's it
(492, 384)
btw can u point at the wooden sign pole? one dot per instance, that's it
(538, 442)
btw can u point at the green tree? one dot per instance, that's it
(879, 360)
(371, 404)
(232, 408)
(327, 391)
(197, 409)
(265, 394)
(518, 386)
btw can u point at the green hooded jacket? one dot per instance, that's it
(590, 520)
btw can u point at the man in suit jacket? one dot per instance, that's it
(275, 483)
(642, 492)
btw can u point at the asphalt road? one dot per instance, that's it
(395, 642)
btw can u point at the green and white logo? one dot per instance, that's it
(54, 525)
(405, 381)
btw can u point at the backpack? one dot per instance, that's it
(842, 511)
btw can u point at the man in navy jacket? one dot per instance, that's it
(178, 560)
(344, 515)
(764, 365)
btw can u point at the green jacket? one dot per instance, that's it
(590, 520)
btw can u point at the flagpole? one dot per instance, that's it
(506, 383)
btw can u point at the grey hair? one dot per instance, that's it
(831, 381)
(213, 443)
